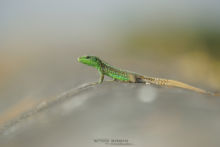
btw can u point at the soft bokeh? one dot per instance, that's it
(41, 40)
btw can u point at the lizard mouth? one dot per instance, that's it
(80, 59)
(83, 60)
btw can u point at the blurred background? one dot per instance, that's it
(41, 40)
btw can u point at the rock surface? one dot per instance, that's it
(119, 114)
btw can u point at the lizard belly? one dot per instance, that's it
(117, 76)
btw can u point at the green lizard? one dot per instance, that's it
(131, 77)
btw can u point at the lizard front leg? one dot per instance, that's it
(101, 77)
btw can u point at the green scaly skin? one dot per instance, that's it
(131, 77)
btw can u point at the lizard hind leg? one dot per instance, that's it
(139, 79)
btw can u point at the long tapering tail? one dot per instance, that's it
(173, 83)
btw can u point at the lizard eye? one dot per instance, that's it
(87, 57)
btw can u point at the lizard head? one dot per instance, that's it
(90, 60)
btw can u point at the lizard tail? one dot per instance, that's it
(173, 83)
